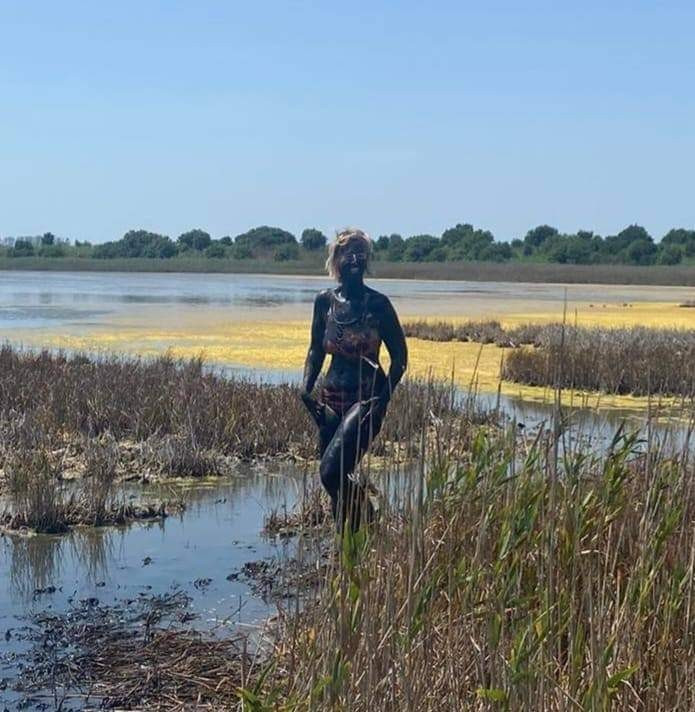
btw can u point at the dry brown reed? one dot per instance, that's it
(188, 411)
(484, 332)
(635, 360)
(620, 360)
(512, 579)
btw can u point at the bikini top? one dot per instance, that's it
(351, 338)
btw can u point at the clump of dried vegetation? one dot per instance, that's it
(514, 578)
(620, 360)
(131, 655)
(637, 360)
(106, 419)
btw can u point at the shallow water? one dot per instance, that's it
(36, 300)
(218, 532)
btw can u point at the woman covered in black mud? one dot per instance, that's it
(349, 323)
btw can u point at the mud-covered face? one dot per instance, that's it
(352, 259)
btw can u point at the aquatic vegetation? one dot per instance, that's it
(637, 360)
(484, 332)
(514, 577)
(514, 573)
(110, 418)
(34, 489)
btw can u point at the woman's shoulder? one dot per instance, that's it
(377, 300)
(323, 298)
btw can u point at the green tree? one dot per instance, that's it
(438, 254)
(538, 235)
(396, 248)
(313, 239)
(264, 239)
(51, 250)
(137, 243)
(195, 240)
(618, 244)
(242, 252)
(418, 247)
(641, 252)
(670, 255)
(285, 252)
(22, 248)
(215, 250)
(464, 242)
(382, 243)
(48, 238)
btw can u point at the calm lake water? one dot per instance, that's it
(36, 300)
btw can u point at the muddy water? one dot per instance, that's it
(200, 553)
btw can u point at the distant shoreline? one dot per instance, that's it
(680, 275)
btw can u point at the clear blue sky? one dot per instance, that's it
(396, 116)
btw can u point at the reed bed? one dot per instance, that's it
(622, 360)
(109, 419)
(513, 578)
(638, 361)
(516, 574)
(184, 407)
(487, 331)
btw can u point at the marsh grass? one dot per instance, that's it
(35, 491)
(186, 411)
(515, 575)
(484, 332)
(507, 571)
(637, 360)
(513, 271)
(110, 418)
(101, 462)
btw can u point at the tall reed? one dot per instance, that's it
(512, 577)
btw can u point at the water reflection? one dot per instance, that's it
(93, 551)
(35, 562)
(218, 531)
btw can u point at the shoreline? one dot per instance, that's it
(517, 272)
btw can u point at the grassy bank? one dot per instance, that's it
(679, 275)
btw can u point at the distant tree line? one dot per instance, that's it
(633, 245)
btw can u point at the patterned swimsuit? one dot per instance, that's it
(358, 340)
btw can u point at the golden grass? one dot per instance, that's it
(282, 345)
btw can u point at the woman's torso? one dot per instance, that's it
(352, 338)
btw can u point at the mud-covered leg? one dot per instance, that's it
(348, 444)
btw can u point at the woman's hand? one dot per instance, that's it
(313, 406)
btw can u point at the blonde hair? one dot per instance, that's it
(342, 239)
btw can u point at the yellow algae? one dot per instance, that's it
(653, 314)
(282, 345)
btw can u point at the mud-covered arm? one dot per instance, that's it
(316, 355)
(394, 339)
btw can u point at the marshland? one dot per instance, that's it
(160, 513)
